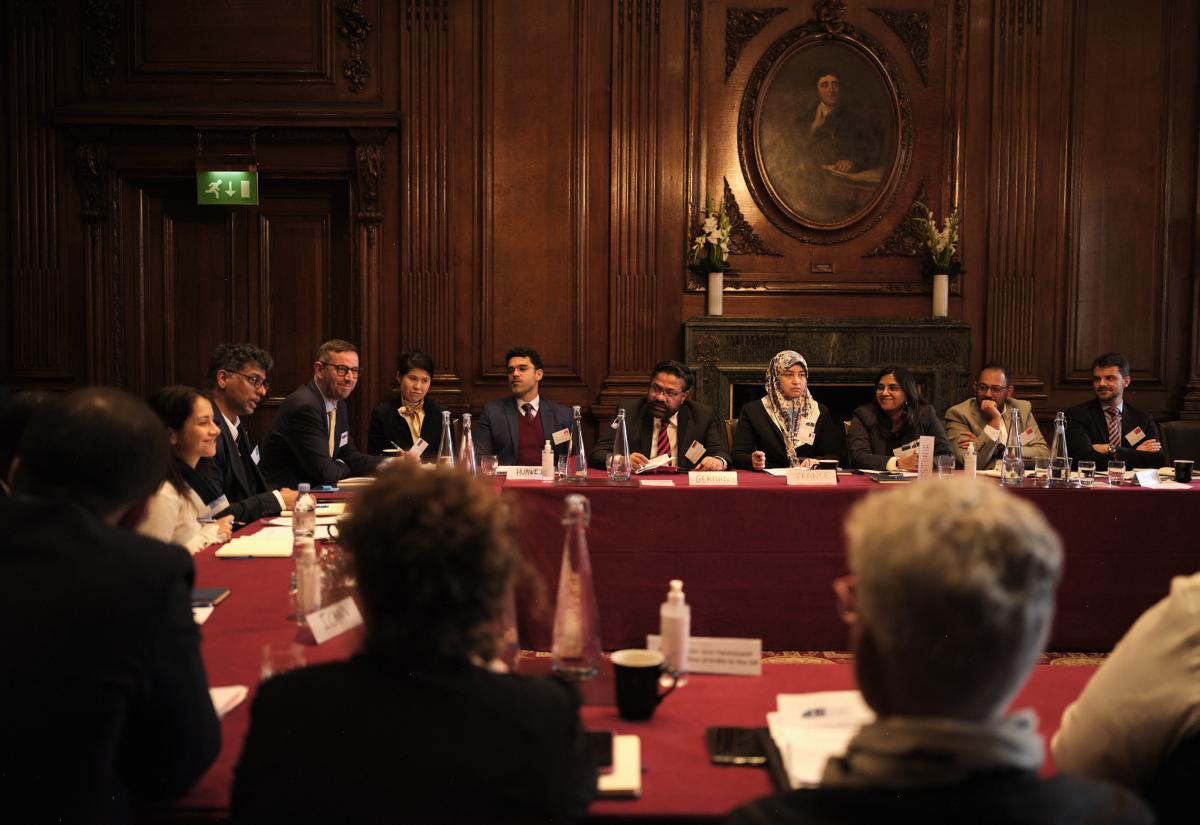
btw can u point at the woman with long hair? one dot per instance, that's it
(893, 421)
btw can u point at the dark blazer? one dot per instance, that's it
(1087, 425)
(235, 474)
(696, 422)
(387, 426)
(495, 433)
(399, 743)
(297, 448)
(870, 441)
(101, 679)
(1010, 797)
(756, 431)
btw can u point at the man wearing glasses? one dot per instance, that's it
(667, 421)
(984, 420)
(237, 382)
(310, 438)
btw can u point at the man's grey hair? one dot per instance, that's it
(956, 583)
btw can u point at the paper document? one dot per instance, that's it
(225, 699)
(654, 463)
(286, 521)
(626, 777)
(267, 543)
(201, 613)
(809, 728)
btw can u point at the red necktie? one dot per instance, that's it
(1114, 427)
(664, 441)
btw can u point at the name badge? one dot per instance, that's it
(797, 477)
(254, 455)
(418, 448)
(1134, 436)
(808, 433)
(906, 448)
(1027, 436)
(695, 452)
(345, 439)
(333, 620)
(719, 478)
(561, 437)
(210, 512)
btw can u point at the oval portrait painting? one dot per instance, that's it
(827, 132)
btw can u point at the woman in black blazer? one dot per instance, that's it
(896, 417)
(787, 423)
(394, 421)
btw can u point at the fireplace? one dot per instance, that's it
(730, 356)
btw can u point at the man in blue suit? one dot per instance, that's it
(514, 429)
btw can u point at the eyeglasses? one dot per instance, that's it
(341, 369)
(991, 387)
(655, 389)
(255, 381)
(846, 588)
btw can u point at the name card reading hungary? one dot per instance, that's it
(712, 478)
(333, 620)
(711, 654)
(811, 478)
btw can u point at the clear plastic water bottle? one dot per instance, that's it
(1012, 471)
(575, 649)
(445, 455)
(466, 447)
(619, 465)
(307, 570)
(576, 456)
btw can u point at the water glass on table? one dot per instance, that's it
(1041, 471)
(1087, 473)
(1116, 473)
(945, 465)
(487, 465)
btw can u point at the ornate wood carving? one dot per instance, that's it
(912, 27)
(741, 26)
(103, 20)
(424, 223)
(354, 27)
(368, 164)
(743, 240)
(635, 162)
(908, 238)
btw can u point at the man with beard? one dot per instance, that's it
(514, 429)
(667, 421)
(1106, 427)
(984, 419)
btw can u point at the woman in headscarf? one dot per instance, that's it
(787, 424)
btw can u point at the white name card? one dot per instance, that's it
(716, 478)
(333, 620)
(1147, 478)
(533, 473)
(656, 482)
(711, 654)
(925, 457)
(797, 477)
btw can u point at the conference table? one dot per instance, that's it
(757, 560)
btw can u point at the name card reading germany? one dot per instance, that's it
(711, 654)
(811, 478)
(712, 478)
(333, 620)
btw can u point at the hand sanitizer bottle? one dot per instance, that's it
(547, 463)
(675, 625)
(970, 460)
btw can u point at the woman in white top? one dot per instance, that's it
(176, 510)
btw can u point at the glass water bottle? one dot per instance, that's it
(619, 467)
(576, 457)
(466, 447)
(576, 645)
(445, 457)
(1012, 471)
(1060, 459)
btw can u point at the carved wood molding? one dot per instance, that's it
(742, 26)
(907, 239)
(102, 19)
(743, 240)
(354, 28)
(368, 166)
(912, 27)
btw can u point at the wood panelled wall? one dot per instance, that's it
(464, 175)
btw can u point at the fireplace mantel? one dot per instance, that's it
(724, 351)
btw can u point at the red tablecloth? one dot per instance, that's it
(758, 559)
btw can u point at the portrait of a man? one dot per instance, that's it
(827, 134)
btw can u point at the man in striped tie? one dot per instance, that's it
(1107, 428)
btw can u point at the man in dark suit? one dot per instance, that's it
(666, 420)
(1107, 428)
(105, 696)
(514, 429)
(310, 437)
(237, 382)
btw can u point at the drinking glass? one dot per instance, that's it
(945, 465)
(281, 658)
(1041, 471)
(618, 467)
(1116, 473)
(560, 467)
(487, 466)
(1087, 473)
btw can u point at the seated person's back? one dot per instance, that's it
(416, 728)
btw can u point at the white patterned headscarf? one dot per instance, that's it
(789, 415)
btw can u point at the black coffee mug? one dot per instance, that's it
(1183, 471)
(636, 674)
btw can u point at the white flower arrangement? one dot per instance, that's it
(942, 243)
(710, 249)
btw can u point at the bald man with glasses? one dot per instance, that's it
(310, 438)
(984, 419)
(666, 420)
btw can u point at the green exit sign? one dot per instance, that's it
(226, 188)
